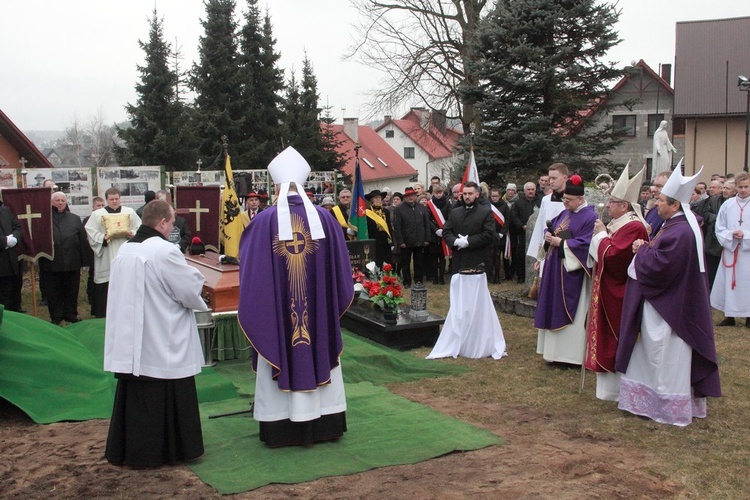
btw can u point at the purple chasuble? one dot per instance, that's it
(670, 279)
(292, 294)
(560, 290)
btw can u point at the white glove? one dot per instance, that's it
(350, 231)
(461, 241)
(439, 233)
(11, 241)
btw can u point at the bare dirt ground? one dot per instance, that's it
(66, 460)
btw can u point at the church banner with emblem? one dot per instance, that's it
(33, 209)
(201, 207)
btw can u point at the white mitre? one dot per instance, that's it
(681, 188)
(290, 167)
(629, 190)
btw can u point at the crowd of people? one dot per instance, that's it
(626, 293)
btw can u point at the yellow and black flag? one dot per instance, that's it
(231, 223)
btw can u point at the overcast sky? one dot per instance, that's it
(63, 60)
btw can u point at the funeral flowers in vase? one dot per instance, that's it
(384, 288)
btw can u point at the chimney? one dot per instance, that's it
(423, 116)
(666, 73)
(386, 118)
(438, 119)
(351, 128)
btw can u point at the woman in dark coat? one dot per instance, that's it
(63, 274)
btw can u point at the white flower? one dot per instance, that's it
(358, 287)
(371, 267)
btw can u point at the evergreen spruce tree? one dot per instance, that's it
(292, 112)
(157, 134)
(308, 140)
(262, 83)
(539, 64)
(332, 159)
(215, 79)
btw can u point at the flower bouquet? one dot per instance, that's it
(383, 288)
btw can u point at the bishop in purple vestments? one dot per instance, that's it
(295, 284)
(666, 350)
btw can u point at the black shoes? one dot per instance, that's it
(728, 321)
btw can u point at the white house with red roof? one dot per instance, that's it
(423, 139)
(381, 166)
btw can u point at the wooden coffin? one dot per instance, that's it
(222, 286)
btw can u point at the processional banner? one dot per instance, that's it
(33, 209)
(201, 207)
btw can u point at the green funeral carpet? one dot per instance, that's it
(384, 429)
(55, 374)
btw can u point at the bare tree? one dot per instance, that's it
(101, 140)
(93, 141)
(422, 48)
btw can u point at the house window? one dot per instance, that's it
(678, 126)
(653, 123)
(389, 134)
(624, 124)
(409, 153)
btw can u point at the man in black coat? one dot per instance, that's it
(411, 234)
(63, 273)
(470, 231)
(10, 236)
(519, 216)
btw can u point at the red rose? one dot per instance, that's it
(387, 267)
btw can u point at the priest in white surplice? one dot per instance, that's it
(731, 290)
(151, 343)
(550, 208)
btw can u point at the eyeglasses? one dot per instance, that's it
(570, 198)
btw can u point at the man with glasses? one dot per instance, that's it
(341, 212)
(563, 291)
(611, 249)
(652, 215)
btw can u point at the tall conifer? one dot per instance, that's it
(215, 80)
(157, 134)
(540, 65)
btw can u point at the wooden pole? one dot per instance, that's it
(33, 289)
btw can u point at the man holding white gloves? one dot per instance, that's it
(10, 235)
(470, 231)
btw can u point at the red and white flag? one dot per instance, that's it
(470, 173)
